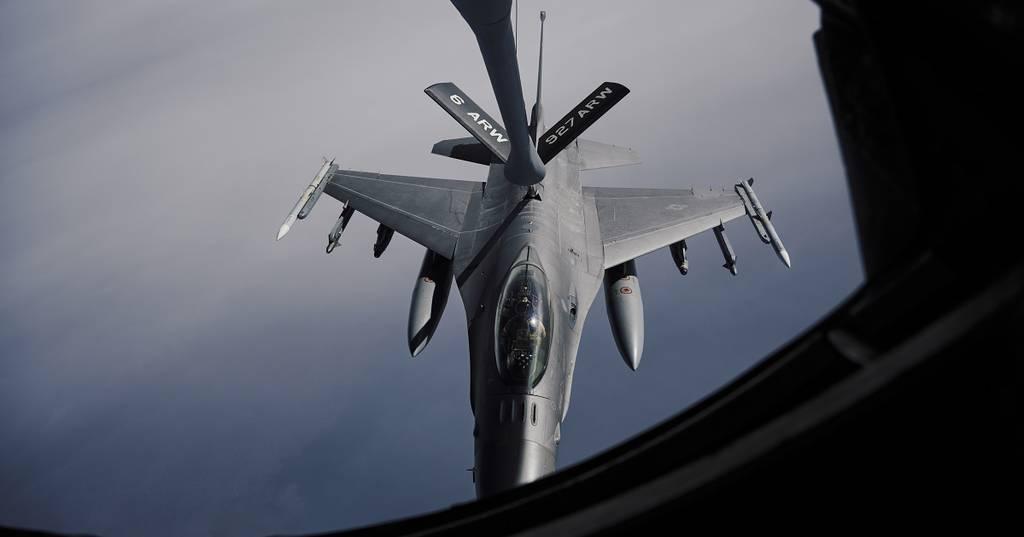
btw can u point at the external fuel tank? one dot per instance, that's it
(429, 298)
(625, 311)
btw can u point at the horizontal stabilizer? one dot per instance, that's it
(593, 155)
(579, 119)
(467, 149)
(473, 118)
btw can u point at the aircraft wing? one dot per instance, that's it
(428, 211)
(636, 221)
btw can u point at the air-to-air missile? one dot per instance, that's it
(727, 252)
(308, 198)
(384, 234)
(334, 236)
(761, 220)
(678, 251)
(625, 311)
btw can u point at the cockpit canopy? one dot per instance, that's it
(523, 326)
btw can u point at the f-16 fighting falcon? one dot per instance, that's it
(528, 248)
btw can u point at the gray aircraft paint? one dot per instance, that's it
(569, 236)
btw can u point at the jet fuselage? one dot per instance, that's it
(527, 277)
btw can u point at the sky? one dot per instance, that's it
(167, 368)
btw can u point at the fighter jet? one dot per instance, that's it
(529, 247)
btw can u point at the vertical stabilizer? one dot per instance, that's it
(537, 116)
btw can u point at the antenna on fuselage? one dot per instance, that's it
(537, 115)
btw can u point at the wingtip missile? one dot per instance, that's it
(293, 215)
(308, 198)
(762, 220)
(285, 227)
(316, 187)
(777, 245)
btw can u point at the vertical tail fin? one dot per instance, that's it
(537, 115)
